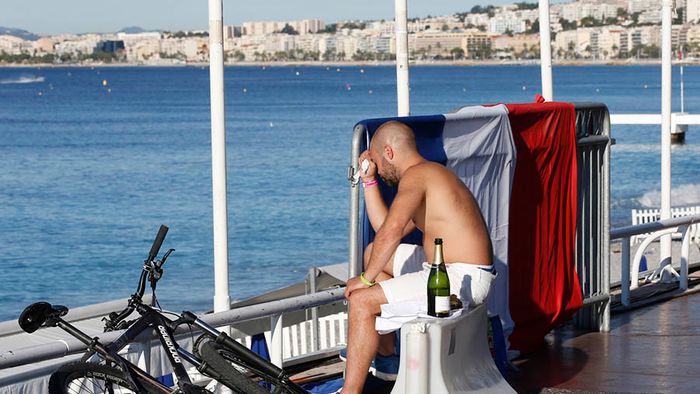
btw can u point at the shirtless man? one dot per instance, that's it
(432, 199)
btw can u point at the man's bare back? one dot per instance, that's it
(449, 211)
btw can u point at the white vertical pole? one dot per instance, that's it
(276, 340)
(401, 34)
(666, 55)
(682, 97)
(222, 300)
(545, 51)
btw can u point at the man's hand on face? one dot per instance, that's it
(371, 172)
(354, 284)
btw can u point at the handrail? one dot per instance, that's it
(628, 231)
(658, 229)
(654, 119)
(75, 314)
(9, 359)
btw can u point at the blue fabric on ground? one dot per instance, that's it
(259, 346)
(327, 387)
(372, 385)
(167, 380)
(499, 345)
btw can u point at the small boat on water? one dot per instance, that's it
(304, 325)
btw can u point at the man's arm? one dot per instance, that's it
(409, 197)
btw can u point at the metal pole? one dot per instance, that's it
(666, 54)
(545, 51)
(625, 272)
(314, 311)
(401, 34)
(355, 260)
(222, 301)
(685, 230)
(276, 340)
(682, 97)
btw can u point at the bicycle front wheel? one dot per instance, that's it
(88, 378)
(240, 375)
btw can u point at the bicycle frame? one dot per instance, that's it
(110, 353)
(164, 327)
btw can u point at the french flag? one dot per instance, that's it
(519, 161)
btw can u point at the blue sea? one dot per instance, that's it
(93, 160)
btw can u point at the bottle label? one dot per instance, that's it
(442, 304)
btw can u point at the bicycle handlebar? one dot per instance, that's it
(162, 231)
(115, 318)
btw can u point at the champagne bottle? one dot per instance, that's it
(438, 285)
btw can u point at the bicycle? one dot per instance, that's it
(216, 355)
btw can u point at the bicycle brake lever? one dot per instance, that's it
(165, 257)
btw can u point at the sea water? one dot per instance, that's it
(93, 160)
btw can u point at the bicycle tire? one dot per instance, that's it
(82, 377)
(226, 373)
(228, 361)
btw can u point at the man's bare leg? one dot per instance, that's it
(386, 345)
(363, 338)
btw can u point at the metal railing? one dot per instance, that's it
(665, 272)
(592, 241)
(272, 309)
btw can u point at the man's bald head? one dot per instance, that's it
(395, 134)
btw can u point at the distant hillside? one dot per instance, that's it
(132, 30)
(23, 34)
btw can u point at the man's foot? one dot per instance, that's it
(383, 367)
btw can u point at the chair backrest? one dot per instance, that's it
(476, 143)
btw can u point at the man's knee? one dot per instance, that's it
(367, 301)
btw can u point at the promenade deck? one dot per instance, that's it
(653, 349)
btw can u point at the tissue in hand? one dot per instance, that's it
(365, 167)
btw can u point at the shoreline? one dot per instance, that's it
(420, 63)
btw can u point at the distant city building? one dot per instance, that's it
(110, 46)
(505, 44)
(596, 9)
(231, 31)
(44, 45)
(606, 42)
(513, 21)
(573, 43)
(306, 26)
(476, 20)
(442, 43)
(12, 45)
(80, 45)
(692, 11)
(693, 35)
(642, 5)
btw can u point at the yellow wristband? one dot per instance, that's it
(366, 281)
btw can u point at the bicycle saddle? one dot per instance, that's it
(35, 315)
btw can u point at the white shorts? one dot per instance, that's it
(470, 282)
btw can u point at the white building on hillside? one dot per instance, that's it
(476, 20)
(578, 10)
(12, 45)
(306, 26)
(692, 13)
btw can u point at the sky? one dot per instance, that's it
(46, 17)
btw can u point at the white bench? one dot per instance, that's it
(448, 356)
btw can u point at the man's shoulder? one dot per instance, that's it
(425, 168)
